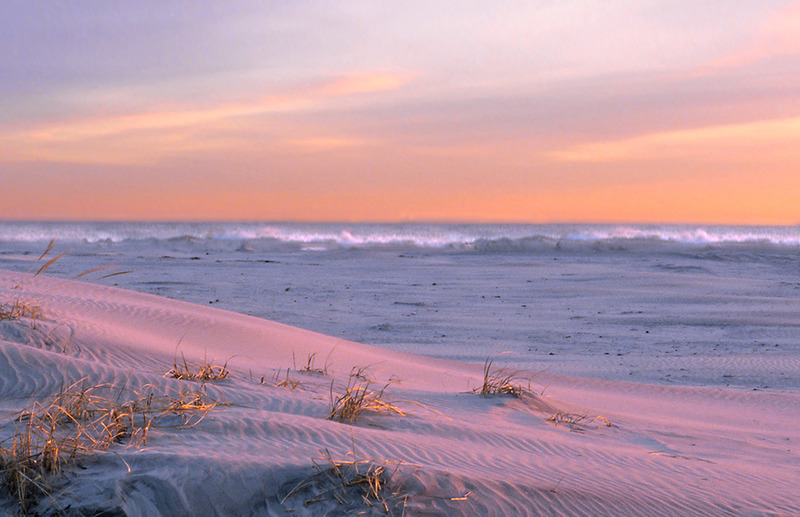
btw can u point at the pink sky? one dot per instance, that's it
(629, 111)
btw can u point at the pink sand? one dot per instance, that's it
(669, 450)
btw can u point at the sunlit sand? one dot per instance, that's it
(564, 446)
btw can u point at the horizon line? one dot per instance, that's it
(395, 222)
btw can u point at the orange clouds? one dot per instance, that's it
(728, 142)
(147, 138)
(735, 173)
(365, 83)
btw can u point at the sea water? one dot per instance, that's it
(669, 304)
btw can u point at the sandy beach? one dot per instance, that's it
(400, 258)
(567, 446)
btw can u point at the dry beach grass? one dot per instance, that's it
(202, 372)
(81, 420)
(501, 382)
(359, 397)
(366, 480)
(19, 309)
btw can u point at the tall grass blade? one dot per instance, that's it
(93, 270)
(49, 263)
(115, 274)
(48, 250)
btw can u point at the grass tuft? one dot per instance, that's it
(286, 382)
(351, 483)
(502, 382)
(359, 398)
(79, 421)
(576, 422)
(192, 404)
(356, 486)
(202, 373)
(310, 366)
(19, 310)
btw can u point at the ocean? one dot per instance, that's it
(464, 237)
(663, 304)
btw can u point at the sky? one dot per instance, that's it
(641, 111)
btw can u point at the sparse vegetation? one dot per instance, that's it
(48, 436)
(79, 421)
(18, 310)
(576, 422)
(286, 382)
(203, 372)
(357, 487)
(101, 268)
(502, 382)
(193, 406)
(310, 366)
(280, 381)
(358, 398)
(350, 483)
(50, 262)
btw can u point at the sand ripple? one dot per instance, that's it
(670, 451)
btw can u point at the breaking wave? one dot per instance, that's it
(453, 237)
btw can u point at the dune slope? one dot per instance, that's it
(573, 446)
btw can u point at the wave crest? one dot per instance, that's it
(486, 238)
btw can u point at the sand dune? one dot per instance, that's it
(668, 451)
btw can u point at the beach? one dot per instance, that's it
(419, 259)
(655, 370)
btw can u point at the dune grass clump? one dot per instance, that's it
(286, 381)
(310, 366)
(353, 484)
(83, 420)
(501, 382)
(18, 310)
(357, 486)
(78, 421)
(201, 373)
(193, 406)
(359, 398)
(576, 422)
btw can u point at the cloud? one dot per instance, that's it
(364, 83)
(778, 35)
(149, 136)
(726, 142)
(312, 145)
